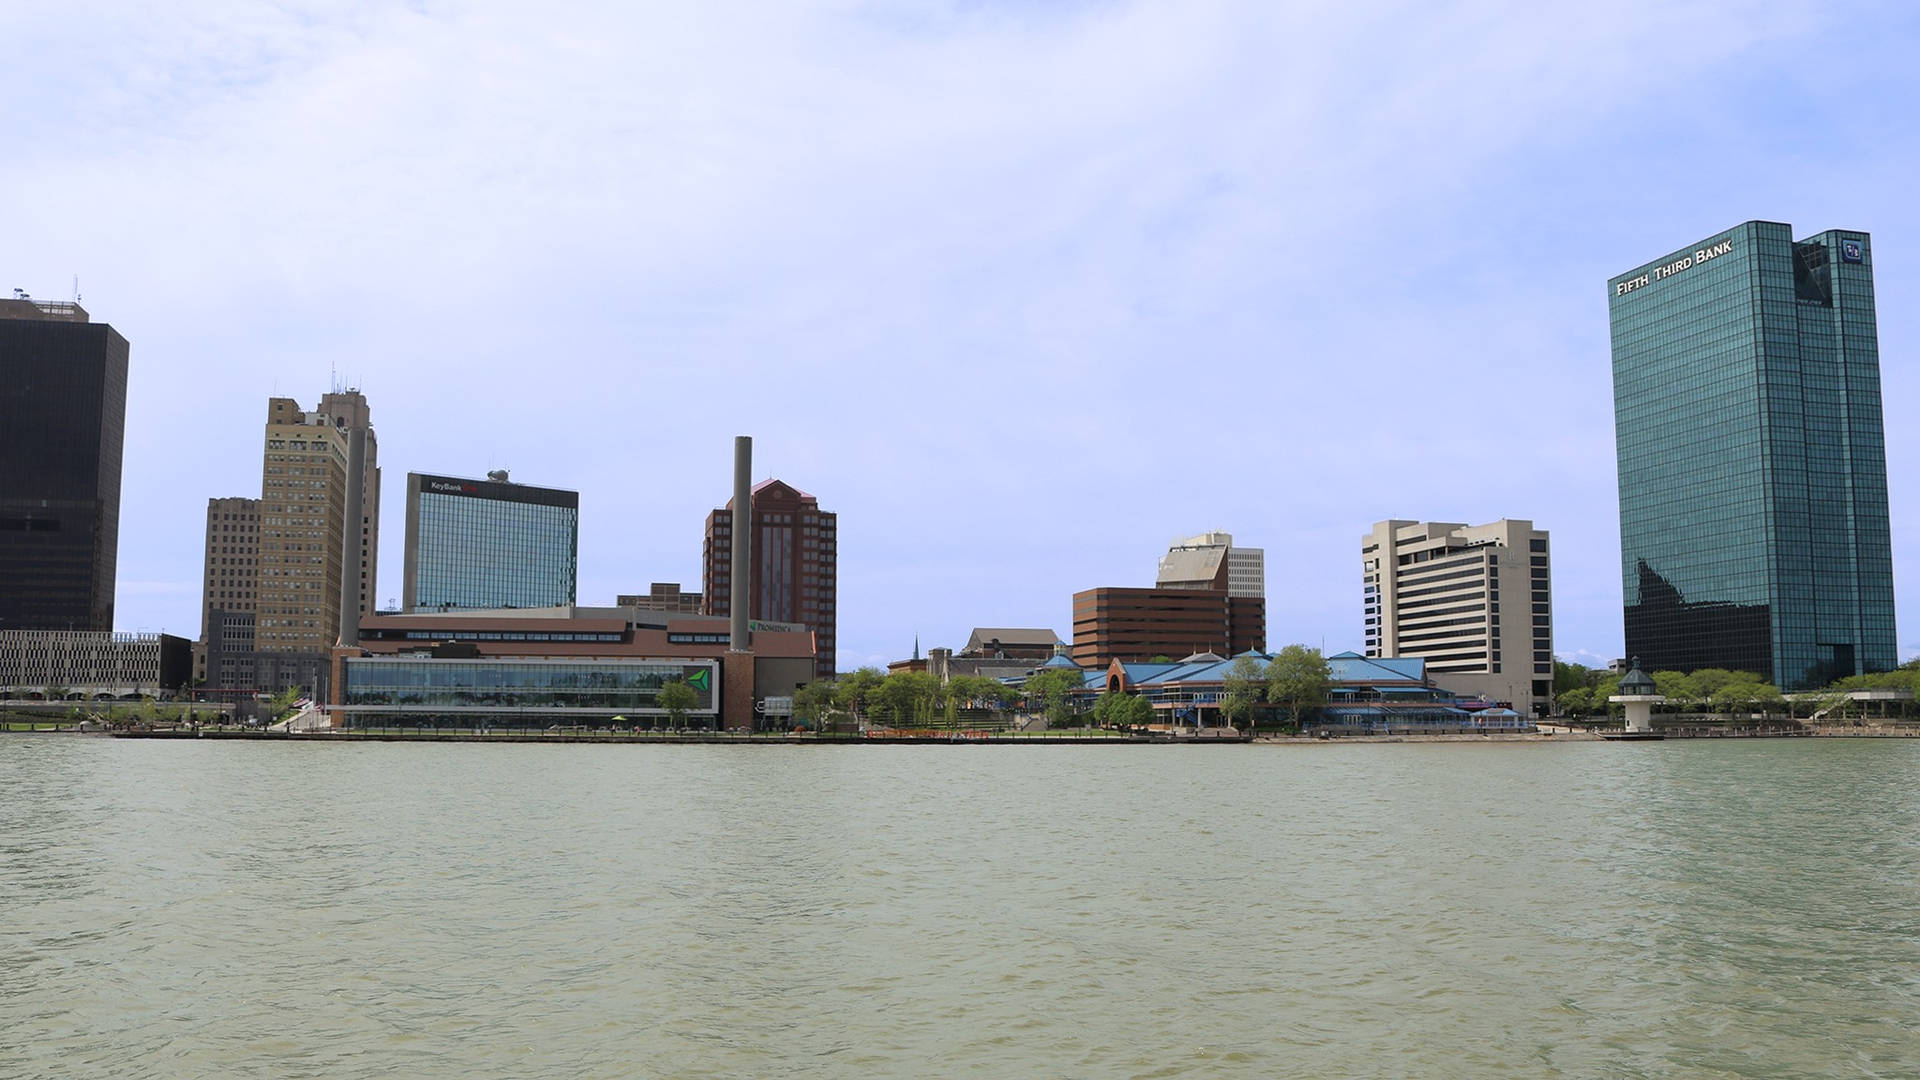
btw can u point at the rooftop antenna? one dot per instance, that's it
(76, 288)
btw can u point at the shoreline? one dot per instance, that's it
(946, 739)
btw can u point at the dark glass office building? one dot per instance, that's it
(489, 544)
(63, 406)
(1753, 465)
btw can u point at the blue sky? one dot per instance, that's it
(1022, 291)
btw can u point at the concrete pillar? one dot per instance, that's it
(740, 585)
(353, 544)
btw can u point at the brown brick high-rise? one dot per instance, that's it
(795, 553)
(1139, 624)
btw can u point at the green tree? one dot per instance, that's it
(1568, 676)
(282, 702)
(1603, 690)
(979, 692)
(1575, 702)
(813, 703)
(1103, 708)
(855, 692)
(909, 698)
(677, 697)
(1051, 691)
(1704, 683)
(1242, 689)
(1116, 710)
(1673, 686)
(1746, 694)
(1299, 680)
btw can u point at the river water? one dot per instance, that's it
(232, 909)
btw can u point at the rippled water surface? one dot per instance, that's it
(210, 909)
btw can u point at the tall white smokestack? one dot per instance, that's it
(740, 584)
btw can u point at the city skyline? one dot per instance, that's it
(952, 308)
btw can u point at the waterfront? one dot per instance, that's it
(1743, 908)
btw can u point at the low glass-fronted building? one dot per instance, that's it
(1753, 472)
(489, 544)
(412, 691)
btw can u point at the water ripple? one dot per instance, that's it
(271, 910)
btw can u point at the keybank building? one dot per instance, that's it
(489, 544)
(1752, 456)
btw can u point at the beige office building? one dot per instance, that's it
(1211, 561)
(228, 594)
(1473, 601)
(303, 536)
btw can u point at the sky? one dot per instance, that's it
(1022, 291)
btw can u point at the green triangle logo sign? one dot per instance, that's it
(701, 680)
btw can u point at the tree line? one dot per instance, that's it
(1294, 683)
(1583, 691)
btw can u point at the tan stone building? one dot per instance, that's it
(230, 582)
(303, 535)
(1473, 601)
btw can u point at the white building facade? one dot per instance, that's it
(1474, 601)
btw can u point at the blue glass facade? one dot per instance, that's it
(386, 689)
(1752, 460)
(487, 544)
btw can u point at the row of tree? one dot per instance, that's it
(1297, 680)
(917, 699)
(1583, 691)
(1705, 690)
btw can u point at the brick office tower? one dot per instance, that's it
(63, 405)
(795, 559)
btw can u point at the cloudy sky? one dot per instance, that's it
(1021, 290)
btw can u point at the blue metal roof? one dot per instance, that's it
(1350, 667)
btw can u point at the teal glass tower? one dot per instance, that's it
(1752, 455)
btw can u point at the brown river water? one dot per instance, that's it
(1739, 908)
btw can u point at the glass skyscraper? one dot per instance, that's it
(1752, 457)
(489, 544)
(63, 403)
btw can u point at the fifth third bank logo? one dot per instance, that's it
(1850, 251)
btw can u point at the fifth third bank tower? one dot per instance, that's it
(1753, 462)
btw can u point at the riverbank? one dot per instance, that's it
(1070, 737)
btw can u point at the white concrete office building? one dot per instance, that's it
(1474, 601)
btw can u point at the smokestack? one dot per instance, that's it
(739, 583)
(353, 546)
